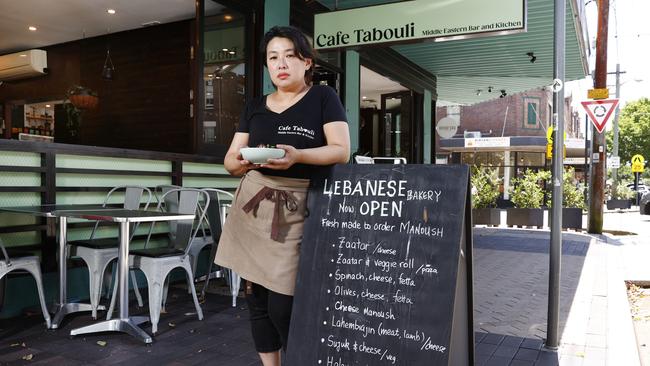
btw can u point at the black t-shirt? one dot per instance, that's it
(300, 125)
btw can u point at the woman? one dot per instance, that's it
(261, 237)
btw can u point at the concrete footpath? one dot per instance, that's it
(511, 294)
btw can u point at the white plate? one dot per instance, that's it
(260, 155)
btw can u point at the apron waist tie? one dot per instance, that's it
(274, 195)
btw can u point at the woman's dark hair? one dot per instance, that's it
(300, 43)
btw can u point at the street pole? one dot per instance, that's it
(555, 255)
(597, 193)
(615, 140)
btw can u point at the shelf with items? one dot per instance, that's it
(40, 118)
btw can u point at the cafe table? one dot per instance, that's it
(63, 308)
(124, 218)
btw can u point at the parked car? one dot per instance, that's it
(644, 204)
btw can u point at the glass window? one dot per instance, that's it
(467, 158)
(531, 111)
(532, 159)
(224, 73)
(532, 114)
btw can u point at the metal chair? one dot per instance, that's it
(216, 217)
(98, 253)
(170, 203)
(29, 264)
(157, 263)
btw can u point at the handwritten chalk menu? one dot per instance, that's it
(385, 269)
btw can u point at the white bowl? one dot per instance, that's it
(260, 155)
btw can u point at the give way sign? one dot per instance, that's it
(599, 111)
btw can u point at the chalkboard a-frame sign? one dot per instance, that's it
(385, 273)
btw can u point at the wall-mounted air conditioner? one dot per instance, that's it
(472, 134)
(23, 64)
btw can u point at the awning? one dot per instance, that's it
(466, 69)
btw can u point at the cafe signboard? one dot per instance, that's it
(409, 21)
(385, 269)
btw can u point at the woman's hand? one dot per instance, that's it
(291, 157)
(246, 164)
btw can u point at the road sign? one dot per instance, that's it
(614, 162)
(638, 163)
(599, 111)
(557, 85)
(549, 135)
(598, 93)
(447, 127)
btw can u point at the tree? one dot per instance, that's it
(634, 129)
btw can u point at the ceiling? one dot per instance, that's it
(68, 20)
(463, 67)
(373, 86)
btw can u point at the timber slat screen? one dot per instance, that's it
(49, 173)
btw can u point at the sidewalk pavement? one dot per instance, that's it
(510, 310)
(511, 288)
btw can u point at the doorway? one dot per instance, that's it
(396, 132)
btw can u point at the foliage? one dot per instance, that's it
(485, 186)
(74, 118)
(623, 174)
(572, 192)
(527, 191)
(634, 129)
(73, 113)
(79, 90)
(621, 192)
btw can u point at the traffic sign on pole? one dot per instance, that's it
(599, 111)
(638, 163)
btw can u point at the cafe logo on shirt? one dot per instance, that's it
(296, 130)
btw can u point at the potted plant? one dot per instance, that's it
(77, 99)
(620, 197)
(485, 191)
(572, 201)
(527, 195)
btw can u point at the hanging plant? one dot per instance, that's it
(82, 98)
(78, 98)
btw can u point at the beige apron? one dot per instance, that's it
(262, 234)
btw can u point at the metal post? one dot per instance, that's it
(123, 270)
(63, 278)
(553, 321)
(587, 154)
(597, 192)
(636, 187)
(615, 140)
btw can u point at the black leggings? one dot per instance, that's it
(270, 313)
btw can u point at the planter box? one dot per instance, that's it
(525, 217)
(622, 204)
(486, 216)
(571, 218)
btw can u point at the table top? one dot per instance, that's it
(50, 210)
(122, 215)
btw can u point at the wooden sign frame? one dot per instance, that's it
(344, 312)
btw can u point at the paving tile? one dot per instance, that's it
(485, 349)
(498, 361)
(478, 336)
(522, 363)
(506, 351)
(526, 354)
(512, 341)
(595, 356)
(480, 359)
(493, 339)
(566, 360)
(532, 343)
(546, 358)
(596, 340)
